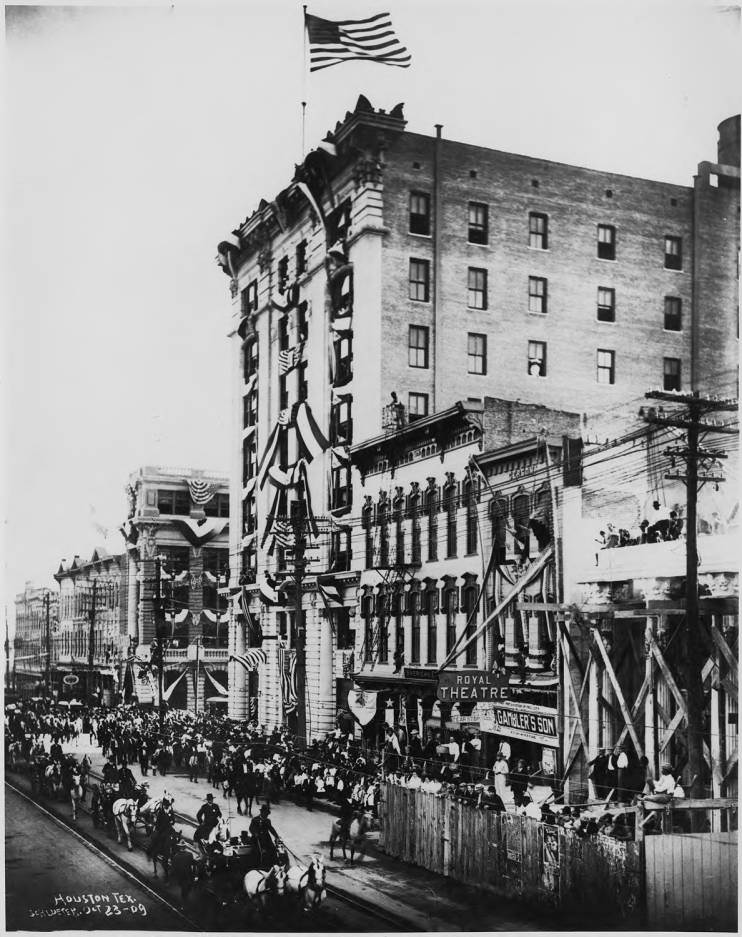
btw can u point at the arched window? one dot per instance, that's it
(469, 498)
(367, 521)
(431, 611)
(469, 601)
(367, 612)
(521, 517)
(451, 608)
(383, 516)
(399, 526)
(449, 503)
(499, 518)
(431, 509)
(415, 515)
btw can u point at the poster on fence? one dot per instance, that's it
(513, 830)
(549, 836)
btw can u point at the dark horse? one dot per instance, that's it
(163, 846)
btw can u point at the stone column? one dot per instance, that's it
(326, 702)
(237, 699)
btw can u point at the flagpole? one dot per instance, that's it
(304, 87)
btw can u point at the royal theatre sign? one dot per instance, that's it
(472, 686)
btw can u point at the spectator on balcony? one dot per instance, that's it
(397, 409)
(660, 523)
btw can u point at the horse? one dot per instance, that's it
(53, 780)
(124, 812)
(77, 791)
(308, 883)
(163, 848)
(220, 832)
(263, 887)
(355, 835)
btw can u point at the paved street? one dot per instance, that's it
(428, 901)
(55, 881)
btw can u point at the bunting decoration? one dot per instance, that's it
(250, 484)
(336, 525)
(166, 694)
(129, 532)
(220, 689)
(330, 594)
(283, 534)
(311, 440)
(288, 360)
(287, 669)
(269, 453)
(249, 386)
(251, 659)
(343, 324)
(304, 189)
(342, 454)
(284, 417)
(198, 533)
(201, 491)
(268, 590)
(254, 631)
(214, 617)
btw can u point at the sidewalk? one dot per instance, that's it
(428, 901)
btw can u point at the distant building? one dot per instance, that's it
(400, 274)
(177, 532)
(36, 616)
(93, 593)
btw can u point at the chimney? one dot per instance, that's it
(729, 141)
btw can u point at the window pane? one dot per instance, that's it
(418, 405)
(673, 314)
(477, 353)
(418, 346)
(419, 280)
(606, 242)
(478, 229)
(477, 292)
(606, 304)
(537, 359)
(419, 213)
(672, 374)
(538, 231)
(673, 253)
(537, 294)
(605, 366)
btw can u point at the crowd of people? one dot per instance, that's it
(244, 761)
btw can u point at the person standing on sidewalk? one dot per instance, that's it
(193, 767)
(143, 758)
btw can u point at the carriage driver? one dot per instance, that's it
(264, 836)
(347, 809)
(208, 815)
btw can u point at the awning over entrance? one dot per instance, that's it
(398, 682)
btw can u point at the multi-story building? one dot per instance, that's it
(177, 533)
(435, 271)
(36, 615)
(91, 642)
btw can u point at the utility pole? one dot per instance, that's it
(7, 652)
(48, 641)
(158, 649)
(693, 419)
(298, 516)
(91, 640)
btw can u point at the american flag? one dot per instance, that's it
(332, 42)
(290, 358)
(283, 533)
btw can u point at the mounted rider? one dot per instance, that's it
(110, 772)
(126, 780)
(208, 816)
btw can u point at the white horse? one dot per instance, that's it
(77, 791)
(124, 813)
(308, 883)
(355, 835)
(147, 813)
(261, 886)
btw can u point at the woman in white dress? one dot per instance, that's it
(500, 771)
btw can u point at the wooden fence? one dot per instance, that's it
(692, 881)
(513, 856)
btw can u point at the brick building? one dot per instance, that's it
(93, 591)
(176, 534)
(438, 271)
(36, 616)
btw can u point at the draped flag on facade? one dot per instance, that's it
(283, 534)
(166, 694)
(330, 593)
(220, 688)
(252, 627)
(332, 42)
(268, 590)
(201, 491)
(475, 472)
(343, 324)
(310, 438)
(199, 532)
(287, 670)
(251, 659)
(287, 360)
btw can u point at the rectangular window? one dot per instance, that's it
(537, 359)
(478, 223)
(673, 252)
(606, 304)
(420, 280)
(606, 366)
(301, 257)
(418, 406)
(250, 358)
(283, 274)
(477, 353)
(537, 294)
(538, 231)
(419, 213)
(218, 506)
(418, 346)
(673, 314)
(672, 374)
(606, 242)
(477, 293)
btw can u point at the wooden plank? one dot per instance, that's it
(724, 648)
(669, 679)
(639, 748)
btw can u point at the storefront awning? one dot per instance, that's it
(381, 681)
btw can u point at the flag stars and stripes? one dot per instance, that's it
(332, 42)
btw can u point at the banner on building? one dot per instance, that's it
(362, 704)
(525, 721)
(477, 686)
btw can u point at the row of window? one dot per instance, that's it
(538, 230)
(538, 294)
(179, 503)
(419, 357)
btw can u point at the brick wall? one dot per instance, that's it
(508, 421)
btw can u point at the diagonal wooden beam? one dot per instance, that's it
(719, 641)
(669, 679)
(731, 762)
(639, 748)
(578, 718)
(670, 730)
(638, 703)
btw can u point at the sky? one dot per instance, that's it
(138, 136)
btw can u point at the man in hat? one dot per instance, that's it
(208, 815)
(264, 836)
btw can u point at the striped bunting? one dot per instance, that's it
(201, 492)
(268, 590)
(330, 594)
(343, 324)
(311, 441)
(287, 360)
(332, 42)
(251, 659)
(220, 689)
(287, 669)
(283, 534)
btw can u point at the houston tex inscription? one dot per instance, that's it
(475, 686)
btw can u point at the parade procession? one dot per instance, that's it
(450, 639)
